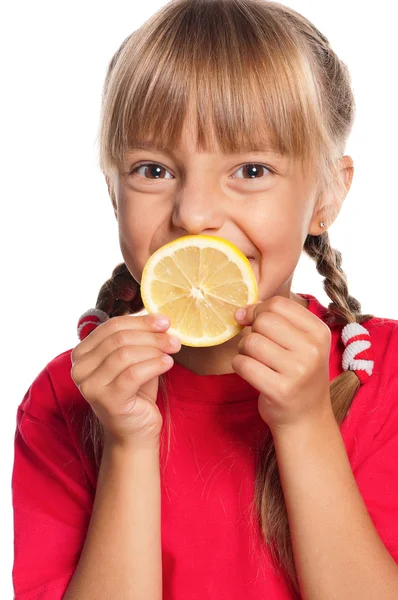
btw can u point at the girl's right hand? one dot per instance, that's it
(117, 368)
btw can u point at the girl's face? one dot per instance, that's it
(260, 202)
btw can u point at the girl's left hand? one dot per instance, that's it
(286, 357)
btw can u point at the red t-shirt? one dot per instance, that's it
(211, 546)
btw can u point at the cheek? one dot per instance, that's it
(282, 249)
(133, 255)
(143, 226)
(133, 218)
(278, 236)
(280, 244)
(135, 234)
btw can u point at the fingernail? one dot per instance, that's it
(240, 314)
(162, 321)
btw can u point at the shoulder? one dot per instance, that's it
(384, 339)
(375, 406)
(53, 397)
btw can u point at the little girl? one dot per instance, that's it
(264, 467)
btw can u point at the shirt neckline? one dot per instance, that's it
(226, 389)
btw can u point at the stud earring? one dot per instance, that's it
(322, 224)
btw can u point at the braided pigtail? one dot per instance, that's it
(343, 308)
(120, 295)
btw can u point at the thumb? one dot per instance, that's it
(247, 314)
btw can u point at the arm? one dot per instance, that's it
(54, 489)
(337, 550)
(121, 557)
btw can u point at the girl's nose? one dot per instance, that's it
(198, 207)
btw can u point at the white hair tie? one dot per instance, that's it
(358, 355)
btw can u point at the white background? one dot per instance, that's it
(59, 235)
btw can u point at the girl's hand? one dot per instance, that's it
(286, 357)
(117, 368)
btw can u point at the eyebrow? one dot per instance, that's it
(144, 145)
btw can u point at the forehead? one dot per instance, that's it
(210, 139)
(252, 149)
(184, 150)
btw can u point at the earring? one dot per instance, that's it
(322, 224)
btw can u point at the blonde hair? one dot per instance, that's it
(261, 74)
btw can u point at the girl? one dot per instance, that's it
(261, 468)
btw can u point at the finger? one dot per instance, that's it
(127, 384)
(136, 323)
(297, 314)
(114, 364)
(264, 351)
(125, 338)
(258, 375)
(279, 330)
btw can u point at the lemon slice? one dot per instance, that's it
(199, 281)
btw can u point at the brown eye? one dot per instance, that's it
(153, 170)
(254, 171)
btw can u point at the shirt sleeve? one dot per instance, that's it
(52, 500)
(377, 474)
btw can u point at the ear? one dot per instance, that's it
(323, 211)
(327, 206)
(111, 191)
